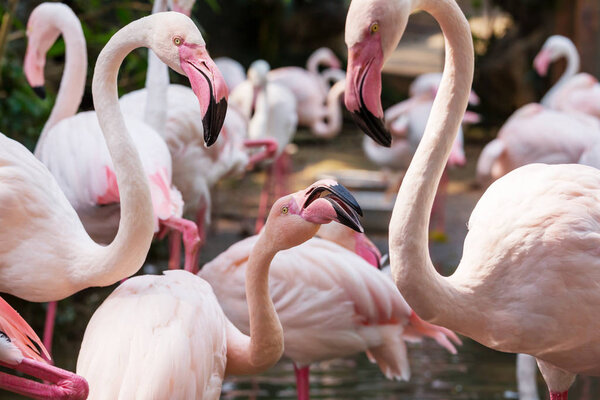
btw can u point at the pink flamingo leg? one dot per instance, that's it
(64, 384)
(302, 382)
(268, 153)
(49, 326)
(558, 395)
(174, 250)
(438, 212)
(191, 240)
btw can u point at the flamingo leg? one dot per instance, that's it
(302, 382)
(559, 395)
(191, 240)
(64, 384)
(174, 250)
(49, 326)
(268, 153)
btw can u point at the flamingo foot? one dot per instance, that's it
(191, 240)
(64, 384)
(49, 326)
(302, 382)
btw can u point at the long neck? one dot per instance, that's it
(72, 83)
(266, 333)
(431, 295)
(157, 83)
(127, 252)
(316, 59)
(573, 63)
(332, 124)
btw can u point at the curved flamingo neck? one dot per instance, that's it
(126, 253)
(72, 83)
(265, 345)
(332, 124)
(568, 50)
(157, 84)
(315, 60)
(429, 294)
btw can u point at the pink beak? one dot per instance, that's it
(542, 62)
(363, 89)
(33, 67)
(209, 86)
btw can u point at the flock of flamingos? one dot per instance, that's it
(101, 185)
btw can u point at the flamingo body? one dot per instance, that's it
(196, 327)
(233, 72)
(331, 303)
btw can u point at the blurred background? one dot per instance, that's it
(507, 35)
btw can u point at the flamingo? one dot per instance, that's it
(528, 278)
(331, 302)
(91, 184)
(406, 121)
(315, 108)
(536, 134)
(272, 109)
(322, 57)
(22, 350)
(181, 343)
(574, 92)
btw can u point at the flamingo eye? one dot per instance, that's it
(285, 210)
(177, 41)
(374, 28)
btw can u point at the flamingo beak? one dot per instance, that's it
(33, 67)
(363, 89)
(542, 62)
(209, 86)
(327, 201)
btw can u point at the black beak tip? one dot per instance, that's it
(345, 194)
(40, 91)
(374, 127)
(213, 120)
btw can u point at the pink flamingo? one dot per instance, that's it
(528, 278)
(315, 108)
(23, 351)
(93, 181)
(406, 122)
(181, 336)
(331, 302)
(271, 109)
(574, 92)
(536, 134)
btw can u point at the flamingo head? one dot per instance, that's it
(181, 6)
(555, 47)
(178, 43)
(295, 218)
(373, 29)
(41, 35)
(257, 75)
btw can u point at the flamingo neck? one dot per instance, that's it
(266, 333)
(126, 253)
(72, 83)
(157, 83)
(259, 122)
(429, 294)
(568, 50)
(331, 125)
(317, 59)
